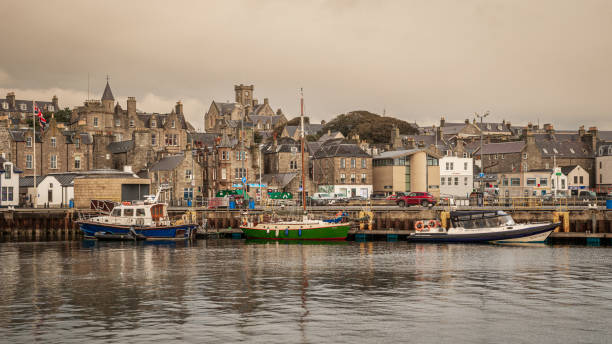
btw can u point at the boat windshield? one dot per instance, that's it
(116, 212)
(487, 221)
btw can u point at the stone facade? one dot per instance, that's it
(14, 113)
(182, 174)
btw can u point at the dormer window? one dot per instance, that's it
(5, 105)
(173, 124)
(601, 151)
(499, 127)
(153, 123)
(489, 126)
(51, 108)
(77, 143)
(555, 150)
(53, 142)
(23, 107)
(572, 150)
(28, 141)
(95, 122)
(117, 122)
(545, 150)
(131, 123)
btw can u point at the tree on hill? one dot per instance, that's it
(369, 126)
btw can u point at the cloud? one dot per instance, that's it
(4, 77)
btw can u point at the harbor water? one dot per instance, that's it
(224, 291)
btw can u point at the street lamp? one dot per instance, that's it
(481, 116)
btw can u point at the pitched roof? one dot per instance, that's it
(604, 150)
(121, 146)
(278, 179)
(65, 179)
(168, 163)
(396, 153)
(339, 149)
(28, 181)
(205, 139)
(567, 169)
(503, 147)
(108, 94)
(564, 149)
(225, 108)
(309, 129)
(492, 127)
(331, 136)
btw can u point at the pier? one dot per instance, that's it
(578, 225)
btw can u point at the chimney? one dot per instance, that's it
(322, 122)
(329, 132)
(581, 131)
(508, 125)
(131, 106)
(467, 121)
(266, 101)
(10, 97)
(530, 137)
(593, 135)
(179, 108)
(442, 121)
(127, 168)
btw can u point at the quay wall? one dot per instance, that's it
(60, 224)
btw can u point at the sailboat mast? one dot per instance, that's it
(302, 144)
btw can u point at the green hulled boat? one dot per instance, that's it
(297, 230)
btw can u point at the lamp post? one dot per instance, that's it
(481, 116)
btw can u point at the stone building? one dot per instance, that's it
(603, 167)
(342, 167)
(181, 174)
(14, 112)
(283, 166)
(226, 117)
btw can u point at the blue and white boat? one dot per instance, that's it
(484, 226)
(141, 220)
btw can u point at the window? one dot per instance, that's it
(188, 175)
(442, 180)
(53, 142)
(575, 179)
(95, 121)
(465, 180)
(353, 162)
(531, 182)
(131, 123)
(525, 167)
(187, 193)
(29, 141)
(505, 182)
(342, 178)
(5, 105)
(456, 180)
(465, 166)
(153, 123)
(7, 193)
(223, 173)
(562, 183)
(363, 178)
(465, 155)
(353, 179)
(172, 140)
(543, 181)
(524, 156)
(431, 161)
(515, 182)
(117, 122)
(342, 163)
(23, 107)
(28, 161)
(555, 150)
(450, 181)
(495, 157)
(448, 166)
(128, 212)
(77, 162)
(545, 151)
(153, 139)
(53, 161)
(501, 156)
(140, 212)
(363, 163)
(581, 179)
(547, 165)
(452, 165)
(572, 150)
(293, 165)
(240, 172)
(77, 143)
(173, 124)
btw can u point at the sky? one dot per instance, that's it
(539, 61)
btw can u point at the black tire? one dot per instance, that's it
(424, 203)
(401, 203)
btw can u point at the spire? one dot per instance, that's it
(108, 94)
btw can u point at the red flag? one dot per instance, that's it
(41, 118)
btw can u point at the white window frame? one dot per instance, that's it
(29, 161)
(53, 162)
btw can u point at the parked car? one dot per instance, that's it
(395, 196)
(586, 195)
(339, 198)
(321, 198)
(416, 198)
(379, 196)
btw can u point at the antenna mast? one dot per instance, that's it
(302, 144)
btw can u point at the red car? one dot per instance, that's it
(416, 198)
(394, 197)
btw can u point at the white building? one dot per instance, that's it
(456, 176)
(603, 167)
(56, 190)
(9, 184)
(577, 177)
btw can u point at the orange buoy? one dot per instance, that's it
(419, 225)
(431, 224)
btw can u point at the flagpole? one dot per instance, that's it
(34, 156)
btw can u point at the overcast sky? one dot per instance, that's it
(532, 60)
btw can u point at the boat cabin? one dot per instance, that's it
(480, 219)
(137, 214)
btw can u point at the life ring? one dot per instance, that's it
(126, 203)
(431, 224)
(244, 223)
(419, 226)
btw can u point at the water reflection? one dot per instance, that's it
(232, 290)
